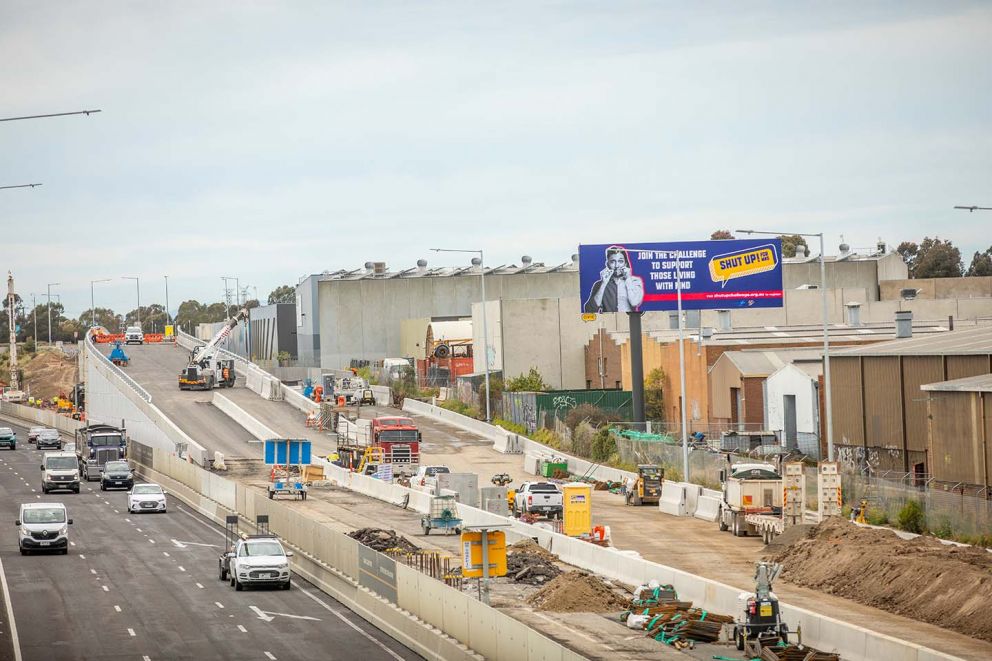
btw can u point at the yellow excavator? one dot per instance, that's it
(647, 488)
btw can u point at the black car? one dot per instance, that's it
(49, 439)
(116, 475)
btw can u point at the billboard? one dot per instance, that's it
(714, 275)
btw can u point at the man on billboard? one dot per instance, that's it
(617, 290)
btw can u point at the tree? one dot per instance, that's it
(791, 243)
(981, 264)
(153, 318)
(721, 235)
(283, 294)
(532, 381)
(933, 258)
(104, 317)
(654, 395)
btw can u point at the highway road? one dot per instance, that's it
(146, 587)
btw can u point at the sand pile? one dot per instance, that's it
(921, 578)
(579, 592)
(49, 373)
(531, 547)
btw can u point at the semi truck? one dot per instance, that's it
(749, 489)
(96, 444)
(399, 439)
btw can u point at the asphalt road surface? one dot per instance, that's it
(146, 587)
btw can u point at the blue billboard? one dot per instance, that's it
(645, 277)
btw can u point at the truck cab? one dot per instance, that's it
(400, 442)
(98, 444)
(749, 488)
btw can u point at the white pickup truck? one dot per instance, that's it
(539, 498)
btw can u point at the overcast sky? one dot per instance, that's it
(272, 140)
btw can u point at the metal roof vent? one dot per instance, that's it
(706, 332)
(368, 267)
(575, 258)
(908, 294)
(854, 314)
(525, 261)
(476, 262)
(904, 324)
(378, 268)
(723, 320)
(421, 266)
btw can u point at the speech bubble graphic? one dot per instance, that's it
(742, 263)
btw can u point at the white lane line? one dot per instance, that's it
(146, 658)
(10, 614)
(242, 629)
(165, 553)
(72, 543)
(351, 624)
(105, 588)
(138, 529)
(82, 557)
(117, 608)
(93, 571)
(219, 605)
(271, 656)
(38, 496)
(181, 568)
(199, 586)
(131, 631)
(33, 490)
(127, 519)
(152, 541)
(117, 511)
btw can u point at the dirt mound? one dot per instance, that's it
(579, 592)
(920, 578)
(382, 540)
(530, 568)
(531, 547)
(49, 373)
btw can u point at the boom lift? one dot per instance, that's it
(205, 370)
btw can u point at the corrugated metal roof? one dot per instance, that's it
(812, 334)
(981, 383)
(448, 331)
(969, 341)
(762, 363)
(444, 271)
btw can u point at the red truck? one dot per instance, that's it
(400, 442)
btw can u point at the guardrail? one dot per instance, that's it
(134, 385)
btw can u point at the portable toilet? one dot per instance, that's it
(577, 515)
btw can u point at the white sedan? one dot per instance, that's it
(146, 498)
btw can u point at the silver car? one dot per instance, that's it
(49, 439)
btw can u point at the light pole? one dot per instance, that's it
(967, 208)
(168, 316)
(49, 289)
(19, 186)
(54, 114)
(137, 282)
(34, 313)
(826, 336)
(92, 304)
(480, 262)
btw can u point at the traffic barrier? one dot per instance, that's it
(707, 509)
(692, 494)
(672, 499)
(251, 424)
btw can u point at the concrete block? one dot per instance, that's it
(672, 499)
(707, 509)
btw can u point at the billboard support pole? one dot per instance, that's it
(685, 416)
(636, 366)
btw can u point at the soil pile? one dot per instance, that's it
(49, 373)
(579, 592)
(530, 568)
(382, 540)
(921, 578)
(529, 546)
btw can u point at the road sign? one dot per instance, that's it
(472, 553)
(282, 451)
(588, 316)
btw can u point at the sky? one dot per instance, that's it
(271, 140)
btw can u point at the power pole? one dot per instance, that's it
(13, 331)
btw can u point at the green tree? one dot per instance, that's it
(981, 264)
(937, 258)
(283, 294)
(721, 235)
(909, 250)
(153, 318)
(104, 317)
(532, 381)
(791, 243)
(654, 395)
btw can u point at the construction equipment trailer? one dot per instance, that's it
(205, 371)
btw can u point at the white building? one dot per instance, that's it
(792, 403)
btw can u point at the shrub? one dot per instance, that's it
(532, 381)
(458, 406)
(603, 446)
(547, 437)
(582, 439)
(654, 396)
(877, 517)
(912, 518)
(510, 426)
(590, 413)
(495, 394)
(943, 529)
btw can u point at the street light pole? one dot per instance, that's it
(92, 303)
(168, 316)
(485, 329)
(827, 397)
(19, 186)
(49, 290)
(137, 282)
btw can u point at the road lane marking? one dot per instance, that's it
(105, 588)
(152, 541)
(138, 529)
(127, 519)
(271, 656)
(199, 586)
(166, 554)
(117, 511)
(219, 605)
(82, 557)
(182, 545)
(268, 615)
(242, 629)
(351, 624)
(117, 608)
(72, 543)
(93, 571)
(217, 532)
(181, 568)
(146, 658)
(8, 603)
(131, 631)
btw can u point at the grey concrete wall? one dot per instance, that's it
(977, 287)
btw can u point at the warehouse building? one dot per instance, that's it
(960, 433)
(879, 410)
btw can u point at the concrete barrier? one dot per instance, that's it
(41, 417)
(672, 499)
(383, 396)
(251, 424)
(707, 509)
(692, 494)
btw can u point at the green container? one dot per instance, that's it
(549, 468)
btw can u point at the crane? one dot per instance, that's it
(205, 370)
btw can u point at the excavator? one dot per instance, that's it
(205, 370)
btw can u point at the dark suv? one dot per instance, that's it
(49, 439)
(116, 475)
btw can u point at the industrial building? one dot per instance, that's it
(273, 331)
(880, 417)
(793, 401)
(960, 433)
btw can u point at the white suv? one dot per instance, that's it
(43, 527)
(258, 560)
(134, 334)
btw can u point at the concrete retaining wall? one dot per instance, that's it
(251, 424)
(40, 417)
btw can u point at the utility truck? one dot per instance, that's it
(749, 489)
(206, 370)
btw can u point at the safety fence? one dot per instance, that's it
(352, 572)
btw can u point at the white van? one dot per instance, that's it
(60, 470)
(43, 527)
